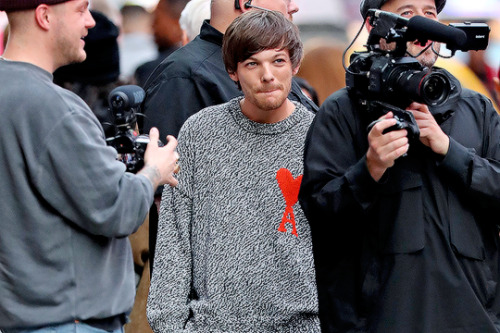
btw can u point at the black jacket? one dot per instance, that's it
(419, 250)
(190, 79)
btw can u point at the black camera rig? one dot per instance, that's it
(124, 103)
(386, 79)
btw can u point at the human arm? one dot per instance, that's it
(472, 162)
(336, 178)
(78, 176)
(168, 301)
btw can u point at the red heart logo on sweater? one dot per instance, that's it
(290, 189)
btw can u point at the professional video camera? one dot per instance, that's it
(386, 78)
(124, 103)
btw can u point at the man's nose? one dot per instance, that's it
(267, 74)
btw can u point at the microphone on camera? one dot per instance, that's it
(388, 15)
(126, 97)
(422, 28)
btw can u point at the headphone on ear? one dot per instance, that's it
(248, 4)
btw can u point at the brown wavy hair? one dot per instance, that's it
(258, 30)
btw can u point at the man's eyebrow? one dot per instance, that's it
(410, 6)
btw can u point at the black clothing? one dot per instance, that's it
(190, 79)
(143, 72)
(418, 251)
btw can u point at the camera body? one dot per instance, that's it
(124, 104)
(385, 78)
(395, 80)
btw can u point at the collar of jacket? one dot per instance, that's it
(210, 34)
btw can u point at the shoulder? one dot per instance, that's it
(306, 116)
(461, 94)
(337, 104)
(338, 97)
(34, 88)
(472, 94)
(209, 118)
(185, 62)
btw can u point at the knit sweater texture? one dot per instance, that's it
(234, 250)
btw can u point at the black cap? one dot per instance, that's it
(376, 4)
(13, 5)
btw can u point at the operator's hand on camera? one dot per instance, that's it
(160, 163)
(384, 149)
(431, 133)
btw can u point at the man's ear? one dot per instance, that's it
(296, 70)
(233, 76)
(368, 24)
(239, 4)
(43, 16)
(243, 5)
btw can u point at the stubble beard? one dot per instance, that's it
(266, 104)
(70, 51)
(429, 57)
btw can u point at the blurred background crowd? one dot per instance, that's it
(149, 30)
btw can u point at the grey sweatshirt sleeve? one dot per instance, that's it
(79, 176)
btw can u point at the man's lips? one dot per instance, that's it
(429, 42)
(268, 90)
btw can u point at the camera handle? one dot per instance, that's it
(404, 120)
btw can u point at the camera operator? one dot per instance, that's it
(67, 203)
(402, 231)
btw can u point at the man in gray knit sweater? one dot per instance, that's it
(234, 250)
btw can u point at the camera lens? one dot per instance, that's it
(435, 89)
(420, 85)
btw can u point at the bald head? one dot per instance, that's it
(49, 36)
(20, 23)
(223, 12)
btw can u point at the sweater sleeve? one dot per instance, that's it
(168, 301)
(169, 292)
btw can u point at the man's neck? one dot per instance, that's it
(257, 115)
(13, 55)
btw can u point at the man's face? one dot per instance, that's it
(286, 7)
(266, 79)
(73, 20)
(408, 9)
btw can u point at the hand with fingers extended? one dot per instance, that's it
(385, 148)
(431, 133)
(160, 163)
